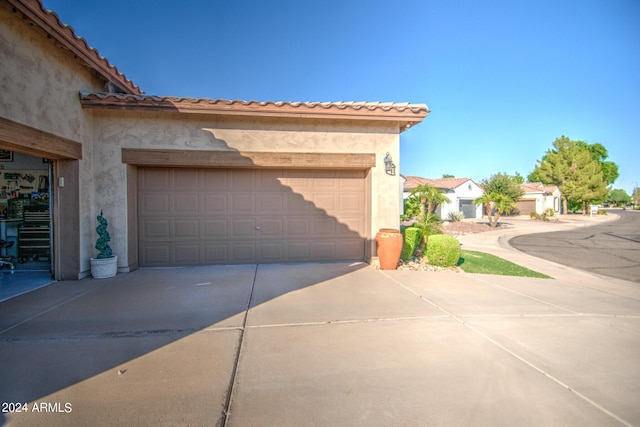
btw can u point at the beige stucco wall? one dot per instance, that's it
(117, 130)
(39, 83)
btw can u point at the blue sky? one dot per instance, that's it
(503, 78)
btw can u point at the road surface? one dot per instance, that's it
(609, 249)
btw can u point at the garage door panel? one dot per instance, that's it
(351, 203)
(216, 253)
(350, 249)
(216, 228)
(323, 227)
(271, 203)
(155, 203)
(215, 179)
(243, 204)
(243, 252)
(297, 251)
(186, 204)
(214, 216)
(243, 227)
(323, 250)
(270, 251)
(215, 204)
(186, 180)
(270, 228)
(186, 229)
(156, 229)
(155, 179)
(297, 227)
(295, 204)
(242, 180)
(157, 254)
(187, 254)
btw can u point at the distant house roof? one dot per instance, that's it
(404, 113)
(538, 187)
(412, 182)
(66, 37)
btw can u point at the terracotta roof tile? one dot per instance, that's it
(441, 183)
(538, 187)
(406, 113)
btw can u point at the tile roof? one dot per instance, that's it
(406, 113)
(538, 187)
(441, 183)
(66, 36)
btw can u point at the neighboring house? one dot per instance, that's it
(538, 198)
(188, 181)
(460, 191)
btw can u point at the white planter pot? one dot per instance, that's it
(101, 268)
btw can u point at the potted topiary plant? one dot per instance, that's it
(105, 264)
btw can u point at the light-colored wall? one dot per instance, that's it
(39, 83)
(462, 192)
(117, 130)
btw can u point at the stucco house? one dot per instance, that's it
(187, 181)
(538, 198)
(460, 191)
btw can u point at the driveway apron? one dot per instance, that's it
(321, 344)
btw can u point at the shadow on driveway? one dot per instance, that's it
(70, 332)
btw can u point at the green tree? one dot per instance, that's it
(618, 196)
(448, 175)
(501, 183)
(495, 205)
(600, 154)
(500, 193)
(430, 197)
(573, 167)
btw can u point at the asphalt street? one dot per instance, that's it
(609, 249)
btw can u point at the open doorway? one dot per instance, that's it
(26, 232)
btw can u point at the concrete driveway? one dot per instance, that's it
(319, 344)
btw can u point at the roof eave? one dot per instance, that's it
(63, 34)
(405, 115)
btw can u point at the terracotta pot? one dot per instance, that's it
(389, 243)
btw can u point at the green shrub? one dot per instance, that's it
(456, 216)
(549, 212)
(534, 215)
(412, 238)
(443, 250)
(602, 212)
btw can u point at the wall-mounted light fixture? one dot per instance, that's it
(389, 167)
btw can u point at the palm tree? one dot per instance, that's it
(495, 204)
(430, 197)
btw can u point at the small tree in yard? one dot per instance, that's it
(430, 197)
(500, 194)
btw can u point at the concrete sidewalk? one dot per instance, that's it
(496, 242)
(320, 344)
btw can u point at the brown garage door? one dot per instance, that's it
(525, 207)
(220, 216)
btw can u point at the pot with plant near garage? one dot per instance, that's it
(105, 264)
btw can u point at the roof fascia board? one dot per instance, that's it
(406, 117)
(65, 35)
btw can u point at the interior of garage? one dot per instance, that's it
(25, 223)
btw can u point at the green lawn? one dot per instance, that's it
(480, 262)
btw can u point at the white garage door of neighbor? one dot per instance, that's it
(237, 216)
